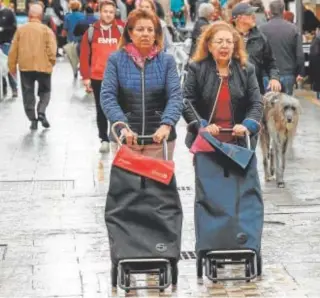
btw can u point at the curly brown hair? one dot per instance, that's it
(135, 16)
(202, 51)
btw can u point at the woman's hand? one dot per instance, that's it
(130, 136)
(239, 130)
(162, 132)
(213, 129)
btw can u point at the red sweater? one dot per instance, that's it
(104, 42)
(222, 116)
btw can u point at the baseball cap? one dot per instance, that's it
(243, 9)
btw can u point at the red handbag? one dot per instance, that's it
(156, 169)
(201, 145)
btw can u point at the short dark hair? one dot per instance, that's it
(276, 8)
(259, 4)
(88, 10)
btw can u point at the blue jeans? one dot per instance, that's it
(5, 47)
(287, 83)
(318, 95)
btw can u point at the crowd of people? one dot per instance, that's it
(237, 54)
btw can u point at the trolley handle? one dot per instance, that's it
(139, 137)
(247, 136)
(187, 102)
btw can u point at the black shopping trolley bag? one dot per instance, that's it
(143, 211)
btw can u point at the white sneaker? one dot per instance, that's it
(105, 147)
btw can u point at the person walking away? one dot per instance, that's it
(206, 13)
(141, 86)
(257, 46)
(314, 64)
(34, 50)
(8, 26)
(286, 44)
(97, 44)
(70, 22)
(83, 25)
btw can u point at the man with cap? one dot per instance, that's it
(257, 45)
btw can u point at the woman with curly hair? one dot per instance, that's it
(222, 86)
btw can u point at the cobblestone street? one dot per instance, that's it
(53, 184)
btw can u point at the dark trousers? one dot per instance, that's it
(28, 79)
(102, 121)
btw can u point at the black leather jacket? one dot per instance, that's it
(202, 85)
(261, 56)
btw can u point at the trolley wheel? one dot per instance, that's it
(248, 268)
(114, 275)
(162, 274)
(174, 274)
(199, 267)
(214, 270)
(259, 265)
(127, 280)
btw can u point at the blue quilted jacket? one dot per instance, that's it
(142, 98)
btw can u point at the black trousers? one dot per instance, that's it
(102, 121)
(28, 79)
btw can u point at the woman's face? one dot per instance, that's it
(143, 34)
(221, 46)
(146, 6)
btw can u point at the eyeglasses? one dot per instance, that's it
(221, 42)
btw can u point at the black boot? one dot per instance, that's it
(42, 118)
(34, 125)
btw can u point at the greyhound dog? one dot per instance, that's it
(279, 125)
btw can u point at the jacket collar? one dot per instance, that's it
(232, 64)
(35, 21)
(135, 55)
(96, 25)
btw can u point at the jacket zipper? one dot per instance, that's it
(143, 102)
(215, 103)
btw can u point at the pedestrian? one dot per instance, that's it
(141, 86)
(286, 44)
(261, 16)
(222, 86)
(314, 64)
(288, 16)
(72, 19)
(257, 46)
(206, 13)
(34, 50)
(72, 46)
(83, 25)
(105, 35)
(310, 21)
(8, 26)
(150, 5)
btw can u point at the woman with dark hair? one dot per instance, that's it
(141, 86)
(222, 86)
